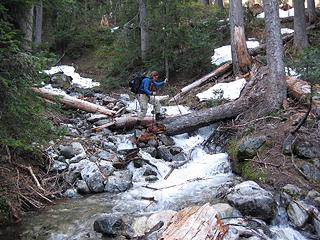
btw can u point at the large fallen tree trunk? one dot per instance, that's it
(193, 223)
(216, 73)
(73, 102)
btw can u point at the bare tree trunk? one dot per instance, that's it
(241, 59)
(25, 21)
(300, 33)
(312, 14)
(38, 24)
(204, 2)
(143, 28)
(219, 3)
(276, 85)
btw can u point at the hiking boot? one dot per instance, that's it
(160, 117)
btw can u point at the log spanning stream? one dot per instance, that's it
(195, 183)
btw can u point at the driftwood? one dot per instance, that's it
(197, 222)
(73, 102)
(216, 73)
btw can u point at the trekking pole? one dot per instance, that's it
(175, 100)
(154, 108)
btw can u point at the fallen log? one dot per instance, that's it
(73, 102)
(197, 222)
(298, 88)
(216, 73)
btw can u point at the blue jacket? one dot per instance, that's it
(145, 85)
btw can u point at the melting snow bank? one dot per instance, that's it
(228, 91)
(282, 13)
(77, 80)
(223, 54)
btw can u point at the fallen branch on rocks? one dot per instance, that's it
(73, 102)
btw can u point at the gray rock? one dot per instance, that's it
(95, 182)
(71, 193)
(151, 150)
(180, 157)
(307, 149)
(105, 155)
(110, 225)
(164, 153)
(175, 150)
(311, 171)
(297, 214)
(166, 140)
(106, 168)
(153, 143)
(149, 171)
(249, 147)
(72, 150)
(89, 169)
(292, 190)
(250, 199)
(151, 178)
(75, 169)
(58, 166)
(96, 117)
(67, 151)
(119, 182)
(102, 122)
(82, 187)
(312, 195)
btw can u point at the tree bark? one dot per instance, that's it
(276, 85)
(237, 41)
(195, 223)
(25, 21)
(312, 14)
(300, 33)
(204, 2)
(219, 3)
(38, 24)
(73, 102)
(144, 41)
(216, 73)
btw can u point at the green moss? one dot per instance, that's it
(232, 147)
(250, 172)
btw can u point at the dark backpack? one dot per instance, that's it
(135, 83)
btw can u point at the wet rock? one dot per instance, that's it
(249, 147)
(77, 158)
(82, 187)
(119, 182)
(166, 140)
(151, 178)
(292, 190)
(95, 182)
(72, 150)
(110, 226)
(61, 159)
(71, 193)
(226, 211)
(250, 199)
(180, 157)
(306, 149)
(89, 169)
(75, 169)
(175, 150)
(297, 213)
(149, 171)
(153, 143)
(164, 153)
(151, 150)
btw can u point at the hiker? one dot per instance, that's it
(146, 94)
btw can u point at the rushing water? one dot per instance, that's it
(196, 182)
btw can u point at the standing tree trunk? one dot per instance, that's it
(143, 28)
(25, 21)
(241, 59)
(276, 85)
(312, 14)
(204, 2)
(300, 33)
(38, 24)
(219, 3)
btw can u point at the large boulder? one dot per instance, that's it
(249, 147)
(112, 225)
(250, 199)
(119, 182)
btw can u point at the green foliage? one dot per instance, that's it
(20, 109)
(306, 63)
(4, 210)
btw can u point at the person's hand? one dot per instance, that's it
(166, 80)
(154, 93)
